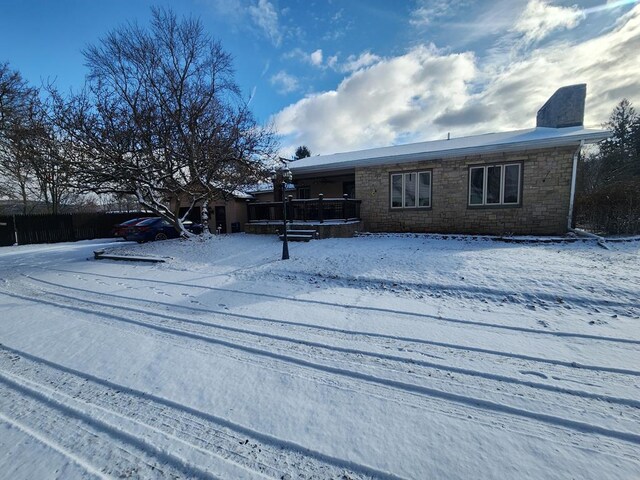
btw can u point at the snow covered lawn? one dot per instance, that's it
(394, 356)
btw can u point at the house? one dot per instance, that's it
(225, 215)
(517, 182)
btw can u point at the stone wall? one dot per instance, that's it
(545, 190)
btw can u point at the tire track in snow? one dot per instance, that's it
(88, 468)
(463, 400)
(261, 453)
(403, 313)
(463, 290)
(355, 333)
(90, 439)
(355, 355)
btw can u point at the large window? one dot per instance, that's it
(411, 190)
(494, 185)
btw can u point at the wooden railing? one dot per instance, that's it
(306, 210)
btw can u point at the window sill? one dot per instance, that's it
(410, 209)
(494, 207)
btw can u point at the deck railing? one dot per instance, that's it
(306, 210)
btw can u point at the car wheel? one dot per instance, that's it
(161, 236)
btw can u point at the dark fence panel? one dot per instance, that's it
(66, 227)
(7, 231)
(44, 228)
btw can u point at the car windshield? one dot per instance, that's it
(149, 221)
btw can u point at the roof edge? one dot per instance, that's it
(585, 137)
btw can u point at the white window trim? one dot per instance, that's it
(484, 169)
(417, 191)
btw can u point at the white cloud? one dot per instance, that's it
(427, 11)
(426, 93)
(354, 63)
(284, 82)
(265, 16)
(539, 19)
(266, 68)
(495, 18)
(316, 58)
(375, 106)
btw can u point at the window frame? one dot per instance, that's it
(417, 205)
(301, 189)
(503, 166)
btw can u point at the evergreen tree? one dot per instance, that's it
(302, 152)
(619, 155)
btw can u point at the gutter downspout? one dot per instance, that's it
(574, 174)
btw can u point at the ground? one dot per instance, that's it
(398, 356)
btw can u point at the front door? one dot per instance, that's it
(221, 219)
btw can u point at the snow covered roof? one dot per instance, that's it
(241, 195)
(539, 137)
(266, 188)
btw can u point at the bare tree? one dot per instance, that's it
(162, 119)
(18, 105)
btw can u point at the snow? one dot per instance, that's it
(382, 356)
(539, 137)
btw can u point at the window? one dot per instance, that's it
(494, 185)
(304, 192)
(411, 190)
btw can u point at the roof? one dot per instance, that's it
(539, 137)
(266, 188)
(241, 195)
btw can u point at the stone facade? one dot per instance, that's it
(543, 210)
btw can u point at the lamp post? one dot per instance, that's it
(283, 174)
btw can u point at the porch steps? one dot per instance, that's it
(300, 235)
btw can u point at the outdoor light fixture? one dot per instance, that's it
(284, 174)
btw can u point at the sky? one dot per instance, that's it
(340, 75)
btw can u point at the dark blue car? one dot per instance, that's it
(156, 228)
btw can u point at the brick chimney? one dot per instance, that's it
(565, 108)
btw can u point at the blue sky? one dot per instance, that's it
(346, 74)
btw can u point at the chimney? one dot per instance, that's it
(565, 108)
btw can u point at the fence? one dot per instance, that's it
(67, 227)
(306, 210)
